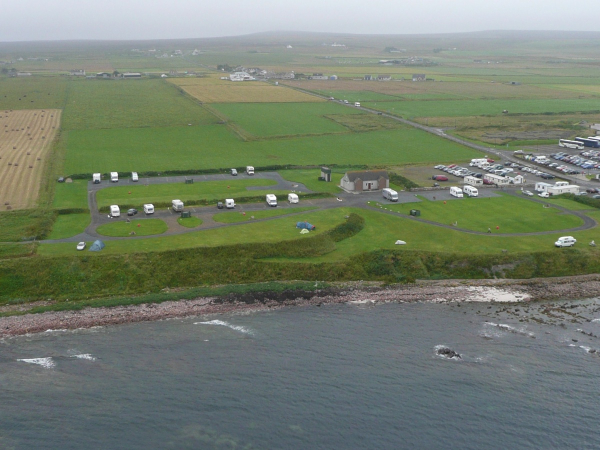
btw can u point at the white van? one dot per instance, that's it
(456, 192)
(471, 191)
(134, 176)
(177, 205)
(357, 104)
(115, 211)
(96, 178)
(250, 170)
(149, 208)
(390, 194)
(293, 198)
(565, 241)
(271, 200)
(114, 177)
(229, 203)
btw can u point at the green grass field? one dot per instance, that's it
(32, 92)
(189, 222)
(510, 214)
(71, 195)
(357, 96)
(285, 119)
(456, 108)
(201, 147)
(136, 227)
(270, 231)
(98, 104)
(310, 178)
(154, 193)
(67, 225)
(235, 217)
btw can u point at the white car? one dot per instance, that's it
(81, 246)
(528, 193)
(544, 195)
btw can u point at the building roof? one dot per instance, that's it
(366, 175)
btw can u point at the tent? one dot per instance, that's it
(399, 242)
(97, 246)
(304, 231)
(306, 225)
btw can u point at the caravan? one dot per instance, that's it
(271, 200)
(177, 205)
(293, 198)
(115, 211)
(114, 177)
(456, 192)
(149, 208)
(471, 191)
(390, 194)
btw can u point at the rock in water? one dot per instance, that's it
(448, 353)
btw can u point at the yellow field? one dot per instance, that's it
(25, 138)
(211, 90)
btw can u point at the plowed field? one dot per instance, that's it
(25, 138)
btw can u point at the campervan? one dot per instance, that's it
(229, 203)
(96, 178)
(471, 191)
(115, 211)
(456, 192)
(271, 200)
(149, 208)
(250, 170)
(114, 177)
(565, 241)
(357, 104)
(177, 205)
(134, 177)
(390, 194)
(293, 198)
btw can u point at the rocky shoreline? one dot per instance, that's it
(447, 291)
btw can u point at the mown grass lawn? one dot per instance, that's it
(310, 178)
(213, 146)
(71, 195)
(234, 217)
(67, 225)
(510, 214)
(140, 194)
(189, 222)
(275, 230)
(141, 227)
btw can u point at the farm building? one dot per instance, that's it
(77, 72)
(496, 179)
(103, 75)
(384, 78)
(365, 180)
(132, 75)
(333, 77)
(23, 74)
(241, 76)
(368, 77)
(419, 77)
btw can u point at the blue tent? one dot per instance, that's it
(97, 246)
(306, 225)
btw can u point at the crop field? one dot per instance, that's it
(214, 146)
(140, 194)
(98, 104)
(25, 139)
(240, 92)
(457, 108)
(285, 119)
(510, 214)
(33, 92)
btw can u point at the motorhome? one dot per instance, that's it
(177, 205)
(271, 199)
(134, 177)
(250, 170)
(96, 178)
(115, 211)
(114, 177)
(293, 198)
(565, 241)
(229, 203)
(456, 192)
(357, 104)
(477, 161)
(390, 194)
(471, 191)
(149, 208)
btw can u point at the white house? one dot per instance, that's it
(241, 76)
(365, 180)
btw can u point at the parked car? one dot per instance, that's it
(596, 196)
(132, 212)
(81, 246)
(440, 178)
(528, 193)
(220, 205)
(234, 172)
(61, 179)
(544, 195)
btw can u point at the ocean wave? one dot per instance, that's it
(222, 323)
(85, 356)
(47, 363)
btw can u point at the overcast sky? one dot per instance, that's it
(26, 20)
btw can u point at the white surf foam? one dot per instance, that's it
(85, 356)
(493, 294)
(222, 323)
(596, 320)
(510, 329)
(47, 363)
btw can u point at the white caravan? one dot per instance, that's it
(271, 200)
(115, 211)
(390, 194)
(471, 191)
(456, 192)
(149, 208)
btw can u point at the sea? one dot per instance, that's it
(330, 377)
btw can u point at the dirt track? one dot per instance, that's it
(25, 138)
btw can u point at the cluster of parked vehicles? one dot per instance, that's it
(585, 161)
